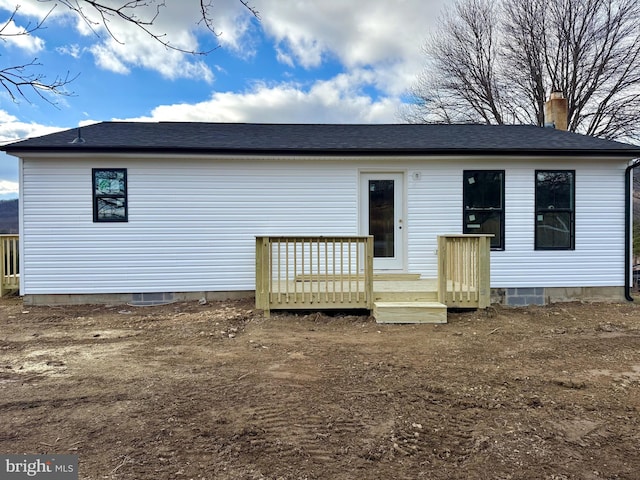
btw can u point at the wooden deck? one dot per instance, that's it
(307, 273)
(394, 301)
(294, 272)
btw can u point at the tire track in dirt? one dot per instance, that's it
(289, 431)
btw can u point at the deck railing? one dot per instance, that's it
(296, 272)
(464, 270)
(9, 263)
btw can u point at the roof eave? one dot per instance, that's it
(328, 152)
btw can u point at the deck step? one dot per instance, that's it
(410, 312)
(404, 296)
(396, 276)
(405, 291)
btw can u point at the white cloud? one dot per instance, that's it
(73, 50)
(234, 24)
(32, 9)
(18, 36)
(106, 60)
(132, 47)
(339, 100)
(385, 36)
(284, 57)
(8, 188)
(12, 129)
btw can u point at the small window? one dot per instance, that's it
(110, 195)
(555, 210)
(483, 200)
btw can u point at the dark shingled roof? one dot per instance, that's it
(246, 138)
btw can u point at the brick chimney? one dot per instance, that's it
(556, 111)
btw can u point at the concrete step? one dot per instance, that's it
(410, 312)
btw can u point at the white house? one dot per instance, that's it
(121, 211)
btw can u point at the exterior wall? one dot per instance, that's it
(192, 222)
(435, 207)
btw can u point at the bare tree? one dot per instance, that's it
(19, 80)
(498, 62)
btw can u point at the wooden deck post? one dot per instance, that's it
(484, 272)
(368, 272)
(442, 269)
(263, 273)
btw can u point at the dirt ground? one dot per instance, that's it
(216, 391)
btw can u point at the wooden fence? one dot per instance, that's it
(300, 272)
(9, 263)
(464, 278)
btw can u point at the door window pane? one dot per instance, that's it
(381, 217)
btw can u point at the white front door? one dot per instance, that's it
(382, 215)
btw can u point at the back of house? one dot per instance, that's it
(122, 211)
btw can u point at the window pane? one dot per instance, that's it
(554, 190)
(111, 208)
(483, 189)
(381, 217)
(485, 223)
(109, 195)
(109, 182)
(553, 230)
(483, 198)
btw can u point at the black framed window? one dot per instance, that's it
(483, 200)
(109, 194)
(555, 210)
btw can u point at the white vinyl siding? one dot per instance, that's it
(435, 207)
(193, 222)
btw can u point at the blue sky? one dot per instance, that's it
(305, 61)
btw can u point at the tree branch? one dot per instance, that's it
(18, 81)
(502, 66)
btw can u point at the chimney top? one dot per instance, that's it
(556, 111)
